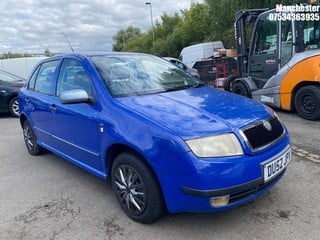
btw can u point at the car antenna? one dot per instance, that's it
(65, 37)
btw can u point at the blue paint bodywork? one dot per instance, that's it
(156, 127)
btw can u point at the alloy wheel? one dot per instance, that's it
(130, 189)
(28, 137)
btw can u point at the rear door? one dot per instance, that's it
(39, 97)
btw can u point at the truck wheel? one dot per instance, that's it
(228, 83)
(241, 89)
(307, 102)
(136, 188)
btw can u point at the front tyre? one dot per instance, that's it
(136, 188)
(307, 102)
(241, 89)
(31, 140)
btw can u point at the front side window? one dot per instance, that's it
(42, 79)
(72, 76)
(129, 75)
(265, 39)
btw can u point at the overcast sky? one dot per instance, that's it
(31, 26)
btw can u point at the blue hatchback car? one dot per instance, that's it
(167, 141)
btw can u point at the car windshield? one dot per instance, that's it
(8, 77)
(131, 75)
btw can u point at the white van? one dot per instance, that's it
(191, 54)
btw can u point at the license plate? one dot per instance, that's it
(276, 166)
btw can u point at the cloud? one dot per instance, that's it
(30, 26)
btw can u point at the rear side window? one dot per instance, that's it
(42, 79)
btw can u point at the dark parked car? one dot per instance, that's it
(9, 88)
(184, 67)
(166, 140)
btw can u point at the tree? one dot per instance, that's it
(196, 24)
(163, 31)
(139, 44)
(123, 37)
(209, 21)
(223, 13)
(173, 32)
(167, 25)
(47, 52)
(14, 55)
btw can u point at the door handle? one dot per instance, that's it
(29, 105)
(53, 108)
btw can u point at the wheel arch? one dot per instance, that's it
(112, 152)
(116, 149)
(22, 119)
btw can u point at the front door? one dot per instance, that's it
(263, 58)
(76, 126)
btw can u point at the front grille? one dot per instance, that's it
(259, 136)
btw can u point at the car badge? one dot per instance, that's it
(267, 125)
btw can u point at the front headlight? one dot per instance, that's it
(216, 146)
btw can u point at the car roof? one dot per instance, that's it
(90, 54)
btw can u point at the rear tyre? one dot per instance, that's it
(31, 140)
(241, 89)
(307, 102)
(14, 107)
(136, 188)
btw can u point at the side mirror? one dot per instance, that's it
(74, 96)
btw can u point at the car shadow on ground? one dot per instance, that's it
(6, 115)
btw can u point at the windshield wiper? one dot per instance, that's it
(172, 89)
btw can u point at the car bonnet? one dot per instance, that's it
(197, 112)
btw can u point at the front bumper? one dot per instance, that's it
(236, 193)
(240, 178)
